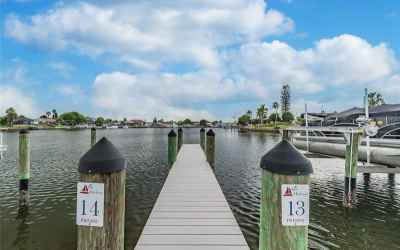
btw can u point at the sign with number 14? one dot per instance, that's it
(295, 204)
(90, 204)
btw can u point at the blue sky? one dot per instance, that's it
(197, 59)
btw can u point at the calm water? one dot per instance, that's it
(374, 223)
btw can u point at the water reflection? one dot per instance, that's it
(49, 222)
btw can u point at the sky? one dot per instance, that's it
(195, 58)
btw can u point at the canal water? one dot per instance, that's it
(374, 222)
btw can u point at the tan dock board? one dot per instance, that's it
(191, 211)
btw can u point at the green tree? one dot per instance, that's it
(99, 121)
(203, 122)
(187, 121)
(244, 119)
(287, 117)
(11, 115)
(274, 117)
(55, 114)
(3, 121)
(73, 118)
(375, 99)
(285, 98)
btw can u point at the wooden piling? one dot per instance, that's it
(172, 147)
(203, 139)
(282, 165)
(92, 136)
(104, 164)
(180, 138)
(210, 147)
(285, 135)
(350, 180)
(24, 166)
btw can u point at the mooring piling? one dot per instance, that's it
(172, 147)
(92, 136)
(351, 164)
(180, 138)
(101, 198)
(284, 215)
(24, 165)
(210, 147)
(203, 139)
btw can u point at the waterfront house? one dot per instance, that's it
(385, 114)
(136, 123)
(23, 121)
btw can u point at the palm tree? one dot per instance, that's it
(250, 114)
(262, 112)
(275, 106)
(375, 99)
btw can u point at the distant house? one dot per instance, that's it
(316, 119)
(43, 120)
(23, 121)
(386, 113)
(136, 123)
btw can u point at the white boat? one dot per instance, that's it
(112, 126)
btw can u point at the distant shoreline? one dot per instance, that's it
(16, 129)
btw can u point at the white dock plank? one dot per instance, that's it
(191, 211)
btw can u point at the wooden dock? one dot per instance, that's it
(191, 211)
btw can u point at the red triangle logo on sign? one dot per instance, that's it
(288, 192)
(85, 190)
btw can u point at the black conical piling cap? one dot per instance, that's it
(180, 130)
(93, 129)
(103, 157)
(210, 133)
(202, 130)
(285, 159)
(24, 131)
(172, 133)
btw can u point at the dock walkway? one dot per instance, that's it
(191, 211)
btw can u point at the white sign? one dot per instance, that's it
(90, 204)
(295, 204)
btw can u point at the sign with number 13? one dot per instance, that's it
(295, 204)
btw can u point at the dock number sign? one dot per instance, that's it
(295, 204)
(90, 204)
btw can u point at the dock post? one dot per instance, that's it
(284, 213)
(285, 135)
(350, 180)
(180, 138)
(101, 198)
(210, 147)
(171, 147)
(203, 138)
(24, 166)
(92, 136)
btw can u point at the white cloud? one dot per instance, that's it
(255, 73)
(161, 31)
(220, 45)
(168, 95)
(341, 62)
(63, 68)
(69, 90)
(13, 97)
